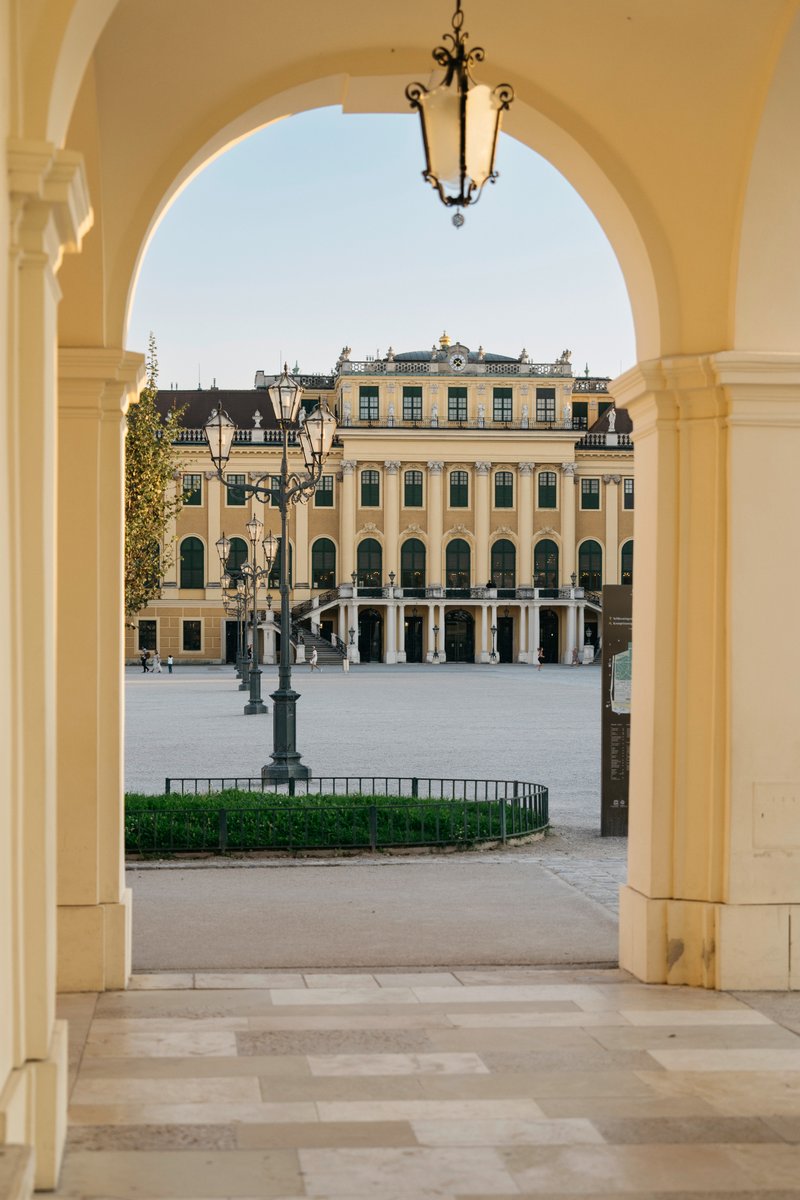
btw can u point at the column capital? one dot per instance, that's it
(391, 467)
(611, 479)
(48, 184)
(569, 469)
(483, 468)
(98, 378)
(526, 468)
(435, 468)
(348, 466)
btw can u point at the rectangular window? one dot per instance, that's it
(627, 493)
(545, 404)
(193, 489)
(580, 414)
(590, 493)
(235, 491)
(412, 489)
(456, 404)
(368, 402)
(147, 635)
(308, 405)
(503, 489)
(547, 489)
(502, 404)
(370, 489)
(412, 403)
(323, 496)
(191, 635)
(603, 406)
(459, 489)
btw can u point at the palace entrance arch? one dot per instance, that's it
(712, 273)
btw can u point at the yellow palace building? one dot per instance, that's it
(472, 508)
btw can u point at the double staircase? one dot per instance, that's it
(327, 654)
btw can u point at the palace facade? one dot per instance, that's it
(471, 510)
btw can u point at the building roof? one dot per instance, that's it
(624, 424)
(240, 405)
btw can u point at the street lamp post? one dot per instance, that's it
(494, 652)
(253, 573)
(436, 643)
(315, 437)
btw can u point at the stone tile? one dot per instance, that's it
(418, 1172)
(505, 1132)
(733, 1094)
(620, 1170)
(782, 1007)
(355, 1087)
(695, 1016)
(347, 1019)
(566, 1059)
(281, 1065)
(507, 994)
(161, 982)
(354, 995)
(188, 1090)
(626, 996)
(180, 1175)
(151, 1025)
(152, 1137)
(213, 1113)
(728, 1060)
(397, 1064)
(216, 980)
(326, 1133)
(187, 1004)
(428, 1110)
(574, 1019)
(658, 1129)
(565, 1084)
(412, 979)
(696, 1038)
(597, 1108)
(161, 1044)
(342, 979)
(350, 1041)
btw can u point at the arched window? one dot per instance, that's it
(274, 580)
(626, 563)
(193, 565)
(504, 564)
(323, 564)
(545, 564)
(590, 566)
(457, 567)
(412, 564)
(369, 563)
(236, 556)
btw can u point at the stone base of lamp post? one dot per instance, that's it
(244, 686)
(255, 708)
(286, 762)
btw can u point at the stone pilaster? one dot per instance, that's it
(435, 564)
(391, 520)
(567, 556)
(347, 521)
(481, 571)
(525, 473)
(611, 502)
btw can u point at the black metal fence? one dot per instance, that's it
(396, 812)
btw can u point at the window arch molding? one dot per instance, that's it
(323, 563)
(547, 561)
(590, 564)
(192, 562)
(626, 562)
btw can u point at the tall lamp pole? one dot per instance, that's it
(253, 574)
(315, 437)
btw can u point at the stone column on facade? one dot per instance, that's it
(353, 651)
(523, 634)
(390, 653)
(713, 889)
(343, 638)
(568, 502)
(571, 643)
(611, 558)
(347, 522)
(493, 623)
(269, 655)
(401, 629)
(484, 646)
(391, 520)
(525, 523)
(581, 630)
(435, 524)
(302, 562)
(481, 570)
(214, 526)
(48, 214)
(535, 638)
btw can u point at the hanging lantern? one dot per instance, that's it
(460, 122)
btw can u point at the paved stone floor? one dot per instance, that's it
(414, 1085)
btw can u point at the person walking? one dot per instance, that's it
(170, 661)
(313, 661)
(143, 660)
(157, 662)
(346, 664)
(540, 657)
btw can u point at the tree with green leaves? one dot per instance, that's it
(152, 498)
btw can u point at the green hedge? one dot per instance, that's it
(236, 820)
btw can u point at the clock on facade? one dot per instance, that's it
(458, 361)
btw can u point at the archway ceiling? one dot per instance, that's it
(662, 100)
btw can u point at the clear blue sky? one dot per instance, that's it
(319, 232)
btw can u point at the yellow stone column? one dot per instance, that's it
(481, 570)
(567, 556)
(347, 522)
(611, 502)
(713, 889)
(391, 520)
(302, 569)
(525, 523)
(95, 386)
(435, 558)
(48, 214)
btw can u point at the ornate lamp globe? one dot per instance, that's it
(285, 395)
(254, 529)
(316, 436)
(460, 122)
(270, 545)
(223, 545)
(219, 432)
